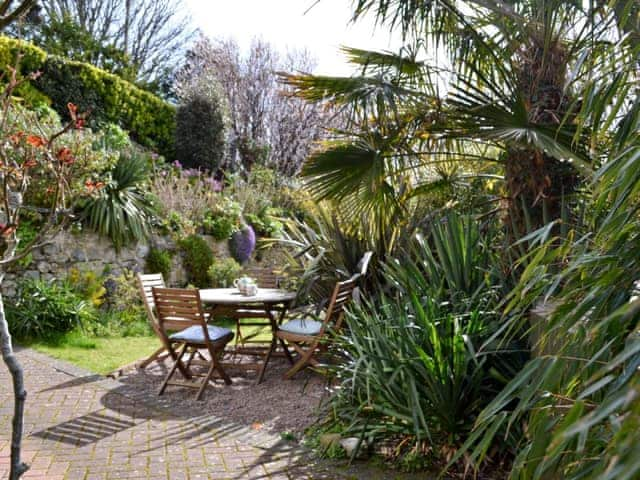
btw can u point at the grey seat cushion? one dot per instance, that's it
(195, 334)
(302, 326)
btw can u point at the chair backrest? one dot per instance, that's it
(178, 308)
(264, 277)
(146, 283)
(342, 295)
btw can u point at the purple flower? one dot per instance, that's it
(213, 184)
(177, 164)
(191, 172)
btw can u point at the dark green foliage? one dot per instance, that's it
(120, 210)
(109, 98)
(63, 36)
(158, 261)
(197, 258)
(149, 120)
(579, 397)
(43, 309)
(414, 366)
(200, 133)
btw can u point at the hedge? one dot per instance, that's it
(149, 119)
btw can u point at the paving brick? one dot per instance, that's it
(79, 427)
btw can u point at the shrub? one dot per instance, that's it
(114, 138)
(123, 292)
(197, 258)
(120, 210)
(200, 133)
(242, 244)
(110, 99)
(89, 285)
(414, 372)
(266, 223)
(158, 261)
(184, 196)
(149, 119)
(223, 220)
(43, 309)
(223, 272)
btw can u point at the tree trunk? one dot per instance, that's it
(18, 468)
(537, 183)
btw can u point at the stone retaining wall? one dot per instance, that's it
(89, 252)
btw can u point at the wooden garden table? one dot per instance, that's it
(268, 299)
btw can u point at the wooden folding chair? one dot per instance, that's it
(308, 336)
(180, 310)
(264, 277)
(145, 283)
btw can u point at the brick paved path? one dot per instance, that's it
(81, 426)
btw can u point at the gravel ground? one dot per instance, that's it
(277, 405)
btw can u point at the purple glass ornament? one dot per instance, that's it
(242, 243)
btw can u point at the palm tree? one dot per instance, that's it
(480, 83)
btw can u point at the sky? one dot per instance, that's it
(321, 29)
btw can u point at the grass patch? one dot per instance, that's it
(99, 355)
(105, 354)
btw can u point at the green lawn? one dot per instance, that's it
(100, 355)
(104, 355)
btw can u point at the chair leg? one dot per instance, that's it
(205, 382)
(215, 360)
(157, 355)
(287, 353)
(190, 359)
(272, 347)
(302, 362)
(183, 370)
(177, 362)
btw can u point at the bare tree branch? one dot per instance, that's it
(8, 16)
(268, 124)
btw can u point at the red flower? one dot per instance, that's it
(91, 185)
(65, 156)
(36, 141)
(80, 123)
(6, 229)
(73, 110)
(16, 137)
(29, 163)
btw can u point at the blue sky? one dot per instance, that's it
(321, 29)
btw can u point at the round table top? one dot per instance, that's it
(231, 296)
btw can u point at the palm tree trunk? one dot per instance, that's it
(538, 184)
